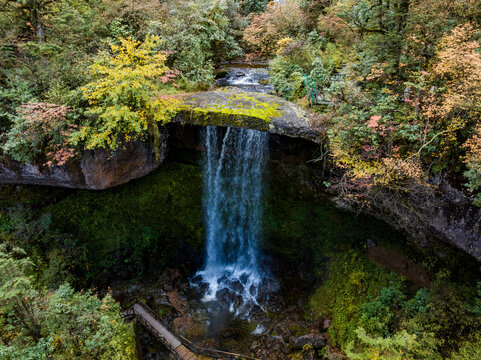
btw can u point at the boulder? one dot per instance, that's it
(314, 340)
(96, 170)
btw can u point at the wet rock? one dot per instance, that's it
(370, 243)
(308, 354)
(255, 346)
(227, 298)
(243, 279)
(334, 355)
(271, 348)
(223, 294)
(183, 286)
(203, 287)
(237, 287)
(229, 333)
(307, 276)
(315, 340)
(188, 327)
(196, 279)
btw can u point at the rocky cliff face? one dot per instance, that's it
(96, 170)
(442, 213)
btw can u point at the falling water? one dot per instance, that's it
(233, 186)
(248, 79)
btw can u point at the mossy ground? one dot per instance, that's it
(130, 230)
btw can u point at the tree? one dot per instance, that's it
(125, 98)
(199, 34)
(63, 324)
(457, 71)
(280, 20)
(33, 13)
(253, 6)
(41, 129)
(17, 295)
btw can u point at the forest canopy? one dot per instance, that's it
(399, 81)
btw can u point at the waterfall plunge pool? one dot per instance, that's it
(147, 238)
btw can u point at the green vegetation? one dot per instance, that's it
(78, 74)
(396, 85)
(199, 34)
(378, 314)
(123, 96)
(89, 237)
(37, 323)
(144, 225)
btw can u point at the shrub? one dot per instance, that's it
(125, 102)
(199, 34)
(38, 129)
(280, 20)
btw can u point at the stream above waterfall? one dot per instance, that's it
(246, 78)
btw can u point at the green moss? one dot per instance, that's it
(154, 220)
(30, 195)
(353, 280)
(236, 109)
(303, 226)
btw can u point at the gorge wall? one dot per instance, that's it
(443, 213)
(95, 170)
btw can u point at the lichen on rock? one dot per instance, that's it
(234, 107)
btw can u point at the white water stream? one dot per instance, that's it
(233, 185)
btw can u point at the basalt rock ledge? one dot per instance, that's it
(99, 169)
(236, 108)
(96, 170)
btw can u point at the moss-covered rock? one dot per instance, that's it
(302, 225)
(149, 223)
(234, 107)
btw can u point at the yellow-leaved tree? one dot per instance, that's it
(125, 97)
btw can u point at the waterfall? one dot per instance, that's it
(233, 185)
